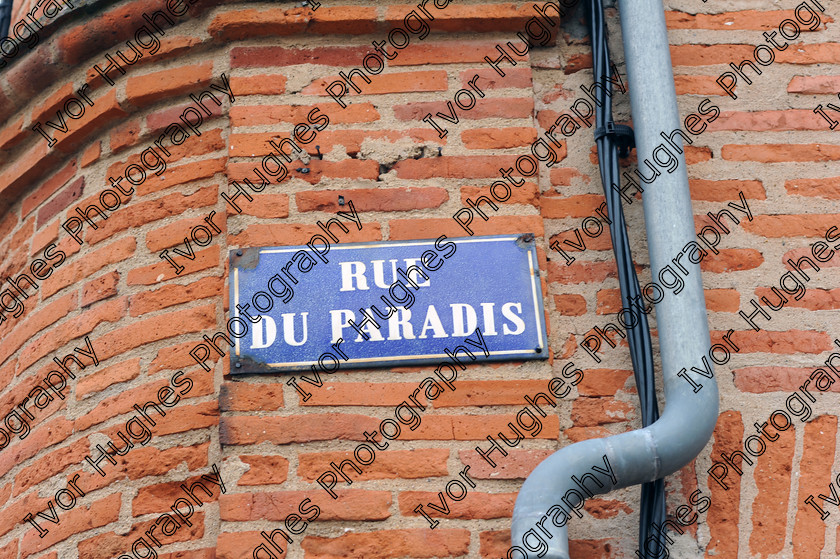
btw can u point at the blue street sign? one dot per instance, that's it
(385, 303)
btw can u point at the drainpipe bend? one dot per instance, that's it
(689, 418)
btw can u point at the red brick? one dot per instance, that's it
(176, 233)
(18, 509)
(723, 516)
(775, 226)
(265, 84)
(490, 393)
(488, 78)
(251, 145)
(763, 121)
(494, 544)
(697, 85)
(147, 89)
(139, 213)
(122, 403)
(317, 171)
(9, 551)
(605, 508)
(159, 120)
(247, 396)
(242, 24)
(577, 62)
(156, 499)
(264, 470)
(498, 138)
(789, 342)
(110, 28)
(814, 85)
(589, 412)
(528, 193)
(125, 135)
(33, 324)
(27, 168)
(603, 382)
(723, 300)
(81, 519)
(210, 141)
(241, 545)
(90, 155)
(732, 259)
(581, 206)
(802, 53)
(267, 206)
(760, 380)
(385, 544)
(518, 464)
(109, 376)
(449, 52)
(257, 57)
(255, 115)
(570, 304)
(473, 506)
(361, 394)
(73, 329)
(461, 166)
(290, 234)
(44, 237)
(105, 111)
(100, 288)
(351, 504)
(402, 229)
(828, 188)
(744, 19)
(392, 464)
(815, 299)
(51, 464)
(373, 199)
(182, 175)
(780, 153)
(171, 295)
(12, 135)
(87, 265)
(143, 462)
(707, 55)
(159, 327)
(772, 473)
(110, 544)
(163, 271)
(581, 272)
(66, 196)
(488, 107)
(242, 430)
(565, 176)
(39, 73)
(815, 476)
(393, 82)
(725, 190)
(477, 18)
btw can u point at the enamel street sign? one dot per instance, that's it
(384, 304)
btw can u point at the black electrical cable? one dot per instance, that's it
(609, 138)
(5, 17)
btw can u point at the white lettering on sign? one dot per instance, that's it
(265, 331)
(354, 274)
(404, 325)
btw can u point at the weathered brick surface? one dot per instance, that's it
(768, 147)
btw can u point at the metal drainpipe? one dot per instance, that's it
(689, 418)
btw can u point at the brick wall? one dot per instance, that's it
(142, 317)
